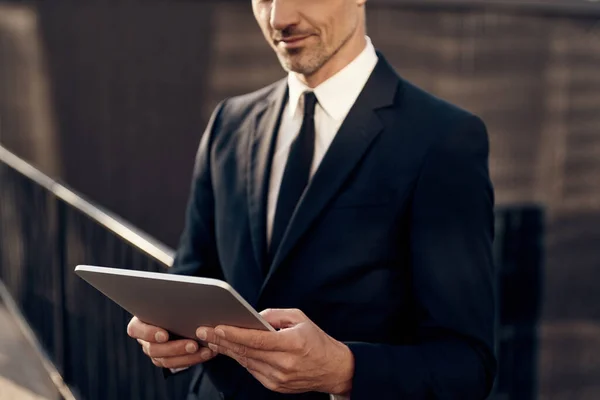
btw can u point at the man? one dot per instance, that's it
(355, 207)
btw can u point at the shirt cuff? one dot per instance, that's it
(336, 397)
(176, 370)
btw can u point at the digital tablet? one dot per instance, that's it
(177, 303)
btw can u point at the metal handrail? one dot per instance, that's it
(108, 220)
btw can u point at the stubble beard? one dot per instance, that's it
(307, 61)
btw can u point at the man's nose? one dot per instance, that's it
(284, 13)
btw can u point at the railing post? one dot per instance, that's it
(519, 249)
(62, 315)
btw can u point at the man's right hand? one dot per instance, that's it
(172, 354)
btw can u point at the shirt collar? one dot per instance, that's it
(337, 94)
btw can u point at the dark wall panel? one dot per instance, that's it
(128, 86)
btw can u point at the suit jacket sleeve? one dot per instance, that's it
(197, 252)
(452, 225)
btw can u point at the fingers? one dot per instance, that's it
(170, 349)
(253, 365)
(262, 364)
(249, 338)
(164, 353)
(283, 318)
(248, 357)
(201, 356)
(245, 355)
(140, 330)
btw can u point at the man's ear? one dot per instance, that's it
(361, 2)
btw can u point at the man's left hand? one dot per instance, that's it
(298, 358)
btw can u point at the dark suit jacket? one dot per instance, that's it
(389, 250)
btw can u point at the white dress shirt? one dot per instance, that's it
(335, 97)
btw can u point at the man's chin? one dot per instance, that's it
(298, 70)
(293, 65)
(289, 64)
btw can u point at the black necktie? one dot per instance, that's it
(296, 174)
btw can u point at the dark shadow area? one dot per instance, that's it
(128, 84)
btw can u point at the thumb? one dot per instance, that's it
(283, 318)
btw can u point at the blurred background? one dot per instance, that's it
(102, 106)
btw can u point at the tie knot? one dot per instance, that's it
(310, 102)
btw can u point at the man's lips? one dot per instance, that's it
(290, 42)
(293, 39)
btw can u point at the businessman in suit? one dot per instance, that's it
(357, 211)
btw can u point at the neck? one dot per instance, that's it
(346, 54)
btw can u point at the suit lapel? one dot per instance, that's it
(359, 129)
(261, 147)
